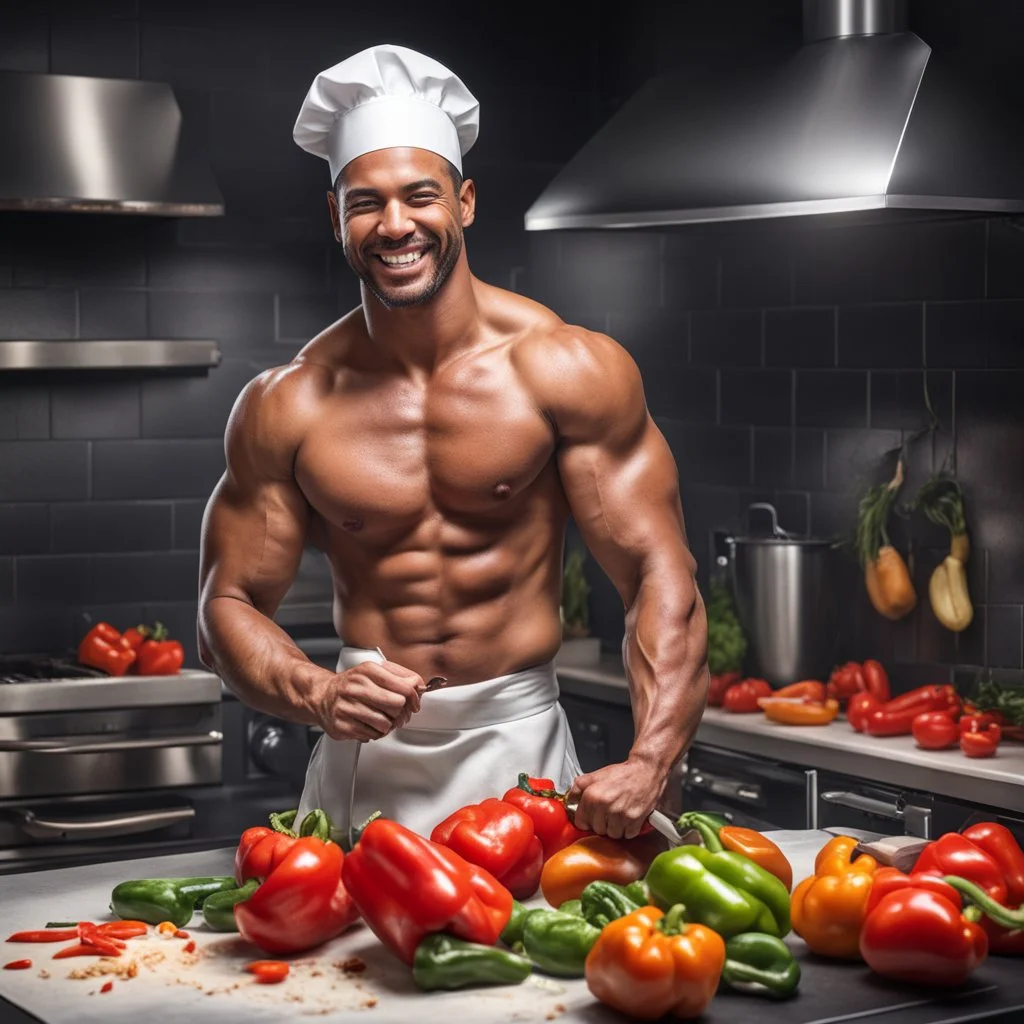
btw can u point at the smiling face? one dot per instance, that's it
(400, 221)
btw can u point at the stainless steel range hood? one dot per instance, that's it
(864, 116)
(99, 145)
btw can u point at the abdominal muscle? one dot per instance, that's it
(467, 605)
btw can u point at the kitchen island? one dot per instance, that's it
(993, 781)
(355, 974)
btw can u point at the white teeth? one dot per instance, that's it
(397, 261)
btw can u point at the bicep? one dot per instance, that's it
(255, 524)
(621, 482)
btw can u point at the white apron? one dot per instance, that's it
(465, 744)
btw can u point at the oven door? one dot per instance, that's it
(751, 792)
(110, 750)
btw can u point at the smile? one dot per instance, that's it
(403, 260)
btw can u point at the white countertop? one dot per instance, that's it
(210, 985)
(997, 781)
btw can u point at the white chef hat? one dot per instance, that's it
(382, 97)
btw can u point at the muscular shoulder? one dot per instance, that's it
(272, 415)
(584, 381)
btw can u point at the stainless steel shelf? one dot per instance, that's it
(90, 354)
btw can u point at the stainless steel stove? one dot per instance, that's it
(94, 767)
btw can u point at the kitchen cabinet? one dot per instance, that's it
(601, 730)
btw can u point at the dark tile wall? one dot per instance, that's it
(103, 479)
(796, 386)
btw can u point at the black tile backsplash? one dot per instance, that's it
(818, 388)
(104, 479)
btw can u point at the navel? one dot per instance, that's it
(502, 492)
(352, 524)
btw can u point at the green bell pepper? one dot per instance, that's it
(639, 892)
(442, 961)
(558, 943)
(165, 899)
(725, 891)
(574, 907)
(605, 901)
(760, 965)
(513, 931)
(219, 908)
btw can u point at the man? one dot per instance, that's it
(433, 443)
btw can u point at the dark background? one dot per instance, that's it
(781, 361)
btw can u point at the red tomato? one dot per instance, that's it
(934, 730)
(859, 707)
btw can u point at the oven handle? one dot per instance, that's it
(190, 739)
(145, 821)
(735, 789)
(917, 820)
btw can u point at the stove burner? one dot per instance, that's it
(41, 668)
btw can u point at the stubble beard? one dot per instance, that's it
(443, 268)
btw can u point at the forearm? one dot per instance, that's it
(257, 659)
(665, 658)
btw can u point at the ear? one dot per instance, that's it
(467, 202)
(332, 205)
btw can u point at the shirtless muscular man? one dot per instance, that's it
(432, 444)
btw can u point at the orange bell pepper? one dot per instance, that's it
(648, 964)
(597, 858)
(828, 908)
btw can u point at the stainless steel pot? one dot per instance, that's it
(785, 589)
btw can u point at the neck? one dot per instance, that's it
(419, 338)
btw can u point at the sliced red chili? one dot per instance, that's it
(18, 965)
(268, 972)
(107, 986)
(190, 946)
(123, 929)
(45, 935)
(181, 934)
(80, 949)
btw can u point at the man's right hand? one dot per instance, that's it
(367, 701)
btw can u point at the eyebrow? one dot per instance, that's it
(372, 193)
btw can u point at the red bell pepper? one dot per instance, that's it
(934, 730)
(497, 836)
(742, 698)
(407, 887)
(258, 851)
(301, 902)
(979, 735)
(876, 680)
(545, 806)
(1001, 845)
(914, 931)
(896, 717)
(104, 648)
(955, 854)
(158, 655)
(719, 685)
(858, 707)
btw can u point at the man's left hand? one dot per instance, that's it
(616, 800)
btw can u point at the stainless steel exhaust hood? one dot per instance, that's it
(99, 145)
(864, 116)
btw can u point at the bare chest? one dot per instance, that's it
(382, 459)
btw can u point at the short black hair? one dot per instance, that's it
(453, 173)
